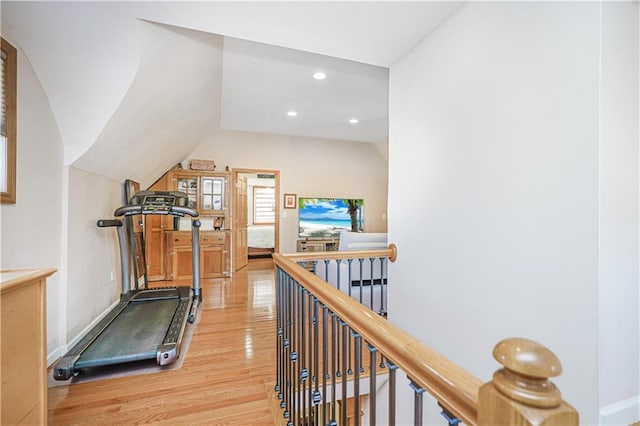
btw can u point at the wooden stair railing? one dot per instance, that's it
(308, 308)
(362, 274)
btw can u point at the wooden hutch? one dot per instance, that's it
(168, 241)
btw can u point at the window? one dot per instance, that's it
(8, 124)
(264, 205)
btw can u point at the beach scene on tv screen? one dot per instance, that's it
(327, 217)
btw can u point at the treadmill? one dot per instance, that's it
(146, 324)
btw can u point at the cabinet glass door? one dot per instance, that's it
(189, 185)
(213, 193)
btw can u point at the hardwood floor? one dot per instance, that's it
(227, 376)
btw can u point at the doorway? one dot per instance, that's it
(256, 217)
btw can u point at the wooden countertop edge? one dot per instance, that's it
(18, 277)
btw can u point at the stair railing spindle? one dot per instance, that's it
(279, 332)
(356, 381)
(334, 355)
(361, 261)
(373, 391)
(310, 371)
(325, 360)
(418, 393)
(317, 398)
(345, 336)
(392, 392)
(371, 259)
(383, 280)
(350, 281)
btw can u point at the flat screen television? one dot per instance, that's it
(327, 217)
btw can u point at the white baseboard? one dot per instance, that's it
(61, 350)
(55, 354)
(621, 413)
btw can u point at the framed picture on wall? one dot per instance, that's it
(289, 201)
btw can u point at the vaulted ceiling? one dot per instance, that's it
(160, 76)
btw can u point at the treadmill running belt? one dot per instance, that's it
(134, 335)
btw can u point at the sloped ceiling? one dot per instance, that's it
(172, 104)
(121, 88)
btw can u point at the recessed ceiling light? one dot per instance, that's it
(319, 75)
(354, 121)
(292, 113)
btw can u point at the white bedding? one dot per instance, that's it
(260, 236)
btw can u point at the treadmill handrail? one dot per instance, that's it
(184, 210)
(106, 223)
(127, 211)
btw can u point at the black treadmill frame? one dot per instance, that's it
(168, 351)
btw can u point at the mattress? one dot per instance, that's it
(261, 236)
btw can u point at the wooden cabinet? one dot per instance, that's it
(155, 226)
(23, 343)
(208, 193)
(178, 259)
(214, 254)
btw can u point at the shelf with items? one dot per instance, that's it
(207, 191)
(188, 185)
(312, 245)
(309, 245)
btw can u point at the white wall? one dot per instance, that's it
(618, 247)
(493, 187)
(308, 167)
(92, 252)
(32, 228)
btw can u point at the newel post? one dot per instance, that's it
(520, 393)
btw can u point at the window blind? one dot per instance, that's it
(264, 203)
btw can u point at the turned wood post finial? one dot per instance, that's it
(521, 392)
(527, 368)
(393, 256)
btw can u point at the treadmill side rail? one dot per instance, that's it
(167, 354)
(64, 369)
(169, 351)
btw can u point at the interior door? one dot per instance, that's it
(240, 249)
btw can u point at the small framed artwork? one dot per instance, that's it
(289, 201)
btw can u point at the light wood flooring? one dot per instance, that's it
(227, 376)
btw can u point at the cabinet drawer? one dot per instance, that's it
(180, 238)
(211, 238)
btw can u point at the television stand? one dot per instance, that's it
(317, 245)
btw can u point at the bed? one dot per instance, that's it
(260, 240)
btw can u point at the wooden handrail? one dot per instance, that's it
(453, 387)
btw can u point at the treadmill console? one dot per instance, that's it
(158, 202)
